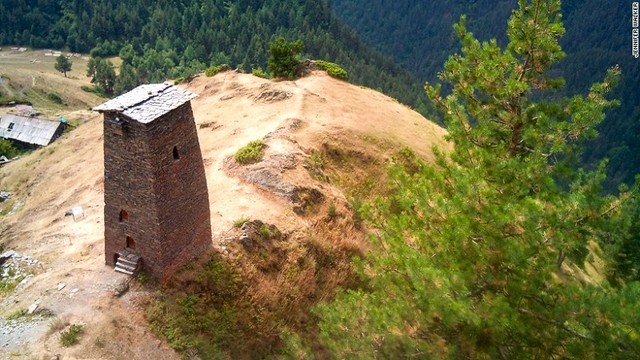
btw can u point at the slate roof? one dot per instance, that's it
(147, 102)
(29, 130)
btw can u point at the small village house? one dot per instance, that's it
(30, 131)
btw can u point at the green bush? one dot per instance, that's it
(316, 159)
(239, 222)
(265, 233)
(260, 73)
(93, 89)
(332, 211)
(334, 70)
(55, 98)
(251, 153)
(214, 69)
(7, 149)
(357, 210)
(70, 336)
(17, 314)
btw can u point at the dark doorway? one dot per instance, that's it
(130, 243)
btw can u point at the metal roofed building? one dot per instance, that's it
(156, 212)
(29, 130)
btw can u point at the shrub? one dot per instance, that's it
(93, 89)
(251, 153)
(7, 149)
(55, 98)
(316, 159)
(214, 69)
(143, 278)
(357, 207)
(8, 284)
(239, 222)
(70, 336)
(17, 314)
(334, 70)
(332, 211)
(260, 73)
(265, 233)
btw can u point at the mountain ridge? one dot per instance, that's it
(170, 39)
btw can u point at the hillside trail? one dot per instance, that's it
(67, 275)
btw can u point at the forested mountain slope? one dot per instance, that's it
(178, 38)
(181, 37)
(419, 36)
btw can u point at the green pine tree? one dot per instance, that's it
(473, 253)
(283, 58)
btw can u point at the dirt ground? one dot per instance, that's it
(70, 279)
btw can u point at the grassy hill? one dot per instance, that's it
(30, 77)
(327, 146)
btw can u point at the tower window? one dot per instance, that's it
(11, 126)
(176, 154)
(124, 215)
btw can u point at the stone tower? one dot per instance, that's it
(156, 212)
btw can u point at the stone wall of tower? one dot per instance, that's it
(128, 186)
(180, 187)
(155, 173)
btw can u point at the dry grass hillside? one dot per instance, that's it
(30, 76)
(327, 143)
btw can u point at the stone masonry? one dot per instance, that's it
(155, 190)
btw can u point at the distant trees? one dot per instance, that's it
(63, 64)
(102, 74)
(189, 36)
(418, 36)
(127, 79)
(283, 58)
(472, 255)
